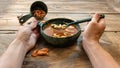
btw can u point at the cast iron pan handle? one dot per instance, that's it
(24, 18)
(34, 6)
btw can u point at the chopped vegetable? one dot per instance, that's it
(40, 52)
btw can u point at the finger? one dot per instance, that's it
(96, 18)
(29, 21)
(34, 38)
(37, 31)
(33, 24)
(102, 23)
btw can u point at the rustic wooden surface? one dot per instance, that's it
(70, 57)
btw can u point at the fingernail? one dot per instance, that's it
(35, 21)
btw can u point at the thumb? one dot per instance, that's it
(95, 18)
(33, 24)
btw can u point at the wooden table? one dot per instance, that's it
(70, 57)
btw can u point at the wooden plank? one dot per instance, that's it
(10, 22)
(53, 0)
(8, 32)
(9, 28)
(61, 7)
(3, 22)
(65, 57)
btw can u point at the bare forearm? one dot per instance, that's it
(13, 56)
(98, 56)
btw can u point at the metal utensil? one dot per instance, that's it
(65, 25)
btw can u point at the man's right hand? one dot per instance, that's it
(94, 29)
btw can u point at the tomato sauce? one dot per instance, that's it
(60, 33)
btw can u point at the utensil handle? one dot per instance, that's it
(85, 20)
(24, 18)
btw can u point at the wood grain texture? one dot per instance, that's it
(59, 7)
(112, 20)
(75, 10)
(70, 57)
(54, 0)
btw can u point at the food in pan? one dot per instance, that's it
(39, 13)
(60, 33)
(60, 26)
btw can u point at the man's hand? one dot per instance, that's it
(29, 33)
(94, 29)
(97, 55)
